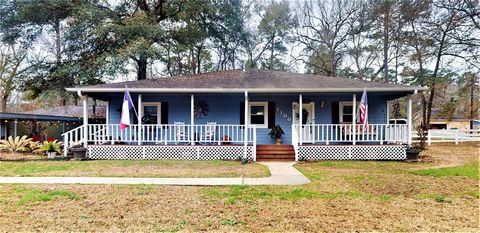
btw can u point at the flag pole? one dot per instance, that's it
(133, 106)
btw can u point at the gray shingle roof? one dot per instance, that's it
(251, 80)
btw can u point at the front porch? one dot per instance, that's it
(234, 142)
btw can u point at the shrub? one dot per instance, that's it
(19, 144)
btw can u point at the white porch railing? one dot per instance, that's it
(166, 134)
(338, 133)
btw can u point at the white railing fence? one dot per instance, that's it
(453, 135)
(328, 133)
(161, 134)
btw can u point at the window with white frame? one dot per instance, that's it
(151, 113)
(258, 114)
(346, 112)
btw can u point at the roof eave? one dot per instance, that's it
(242, 90)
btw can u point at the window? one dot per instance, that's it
(151, 113)
(258, 114)
(346, 112)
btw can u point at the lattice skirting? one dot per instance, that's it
(168, 152)
(351, 152)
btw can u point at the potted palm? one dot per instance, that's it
(277, 133)
(51, 148)
(79, 152)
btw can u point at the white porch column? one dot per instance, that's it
(192, 119)
(139, 118)
(85, 120)
(409, 120)
(245, 131)
(15, 122)
(300, 120)
(354, 120)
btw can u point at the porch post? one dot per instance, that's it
(300, 120)
(192, 119)
(139, 118)
(107, 121)
(409, 120)
(245, 131)
(85, 120)
(15, 122)
(354, 120)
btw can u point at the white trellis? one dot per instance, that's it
(153, 152)
(352, 152)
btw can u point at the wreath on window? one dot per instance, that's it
(200, 109)
(304, 116)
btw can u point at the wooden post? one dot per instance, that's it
(245, 131)
(409, 120)
(85, 120)
(300, 120)
(354, 120)
(192, 119)
(139, 118)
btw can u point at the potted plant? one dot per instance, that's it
(51, 148)
(79, 152)
(277, 133)
(226, 139)
(413, 152)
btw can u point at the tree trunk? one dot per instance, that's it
(58, 43)
(3, 103)
(385, 43)
(141, 68)
(472, 89)
(272, 50)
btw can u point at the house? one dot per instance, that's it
(228, 115)
(439, 121)
(36, 125)
(48, 122)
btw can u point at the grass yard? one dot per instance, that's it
(344, 196)
(133, 168)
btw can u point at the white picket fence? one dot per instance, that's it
(452, 135)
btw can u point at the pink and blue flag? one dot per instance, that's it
(364, 109)
(126, 107)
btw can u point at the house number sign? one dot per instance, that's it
(284, 115)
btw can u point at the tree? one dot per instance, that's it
(468, 92)
(434, 37)
(12, 69)
(323, 25)
(275, 24)
(26, 21)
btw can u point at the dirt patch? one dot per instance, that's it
(6, 156)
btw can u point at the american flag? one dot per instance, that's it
(364, 109)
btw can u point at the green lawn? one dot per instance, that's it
(133, 168)
(468, 170)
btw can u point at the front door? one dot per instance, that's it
(308, 120)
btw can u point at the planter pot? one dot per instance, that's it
(278, 141)
(79, 153)
(51, 155)
(412, 154)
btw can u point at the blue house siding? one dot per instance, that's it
(225, 109)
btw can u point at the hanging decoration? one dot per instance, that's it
(200, 109)
(396, 109)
